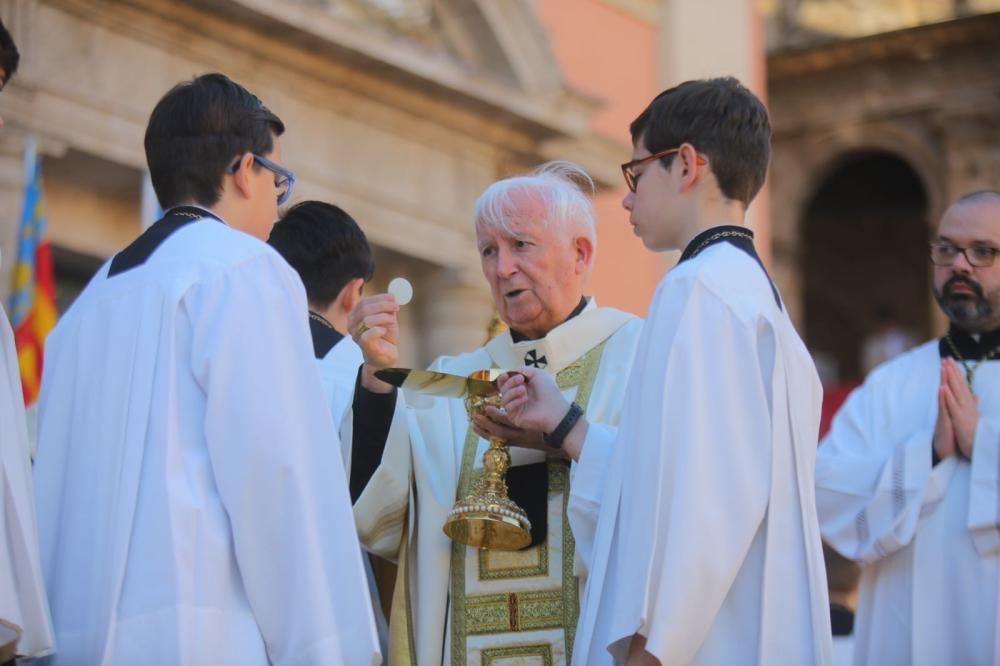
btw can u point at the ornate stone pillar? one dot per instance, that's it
(455, 311)
(972, 155)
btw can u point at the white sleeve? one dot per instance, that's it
(984, 488)
(698, 492)
(382, 509)
(870, 492)
(587, 483)
(276, 461)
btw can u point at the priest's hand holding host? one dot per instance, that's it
(374, 326)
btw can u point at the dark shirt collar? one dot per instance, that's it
(841, 620)
(967, 346)
(192, 211)
(739, 236)
(324, 335)
(517, 336)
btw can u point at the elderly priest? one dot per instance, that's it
(415, 455)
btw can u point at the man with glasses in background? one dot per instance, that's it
(192, 503)
(908, 479)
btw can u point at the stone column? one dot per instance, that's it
(455, 311)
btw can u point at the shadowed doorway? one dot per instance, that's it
(864, 262)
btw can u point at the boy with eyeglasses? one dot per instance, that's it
(707, 548)
(908, 479)
(191, 507)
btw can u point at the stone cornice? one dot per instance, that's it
(391, 57)
(920, 43)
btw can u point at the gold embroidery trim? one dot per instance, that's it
(581, 374)
(542, 650)
(514, 611)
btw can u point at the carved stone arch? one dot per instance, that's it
(912, 144)
(864, 217)
(802, 162)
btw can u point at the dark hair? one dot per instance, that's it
(197, 130)
(325, 246)
(842, 575)
(9, 57)
(723, 121)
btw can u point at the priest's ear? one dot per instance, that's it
(351, 294)
(584, 248)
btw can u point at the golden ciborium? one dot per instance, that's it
(486, 518)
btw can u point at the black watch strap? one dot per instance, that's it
(556, 437)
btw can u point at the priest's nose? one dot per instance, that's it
(628, 201)
(506, 263)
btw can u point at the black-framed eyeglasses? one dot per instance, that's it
(632, 178)
(980, 256)
(283, 178)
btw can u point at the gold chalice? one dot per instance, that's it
(486, 518)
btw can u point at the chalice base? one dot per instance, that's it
(489, 525)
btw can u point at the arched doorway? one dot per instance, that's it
(864, 259)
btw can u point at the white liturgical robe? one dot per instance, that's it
(927, 536)
(707, 541)
(192, 503)
(338, 370)
(22, 593)
(458, 605)
(338, 359)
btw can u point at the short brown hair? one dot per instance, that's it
(197, 130)
(723, 121)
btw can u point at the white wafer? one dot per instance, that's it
(401, 289)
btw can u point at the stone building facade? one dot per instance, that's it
(401, 111)
(874, 136)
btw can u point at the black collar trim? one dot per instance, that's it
(143, 247)
(324, 335)
(967, 345)
(517, 336)
(841, 620)
(740, 237)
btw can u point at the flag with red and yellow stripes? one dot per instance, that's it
(33, 303)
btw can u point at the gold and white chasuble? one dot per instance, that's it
(459, 605)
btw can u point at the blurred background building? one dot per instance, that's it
(402, 111)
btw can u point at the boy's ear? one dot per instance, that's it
(241, 177)
(351, 294)
(690, 164)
